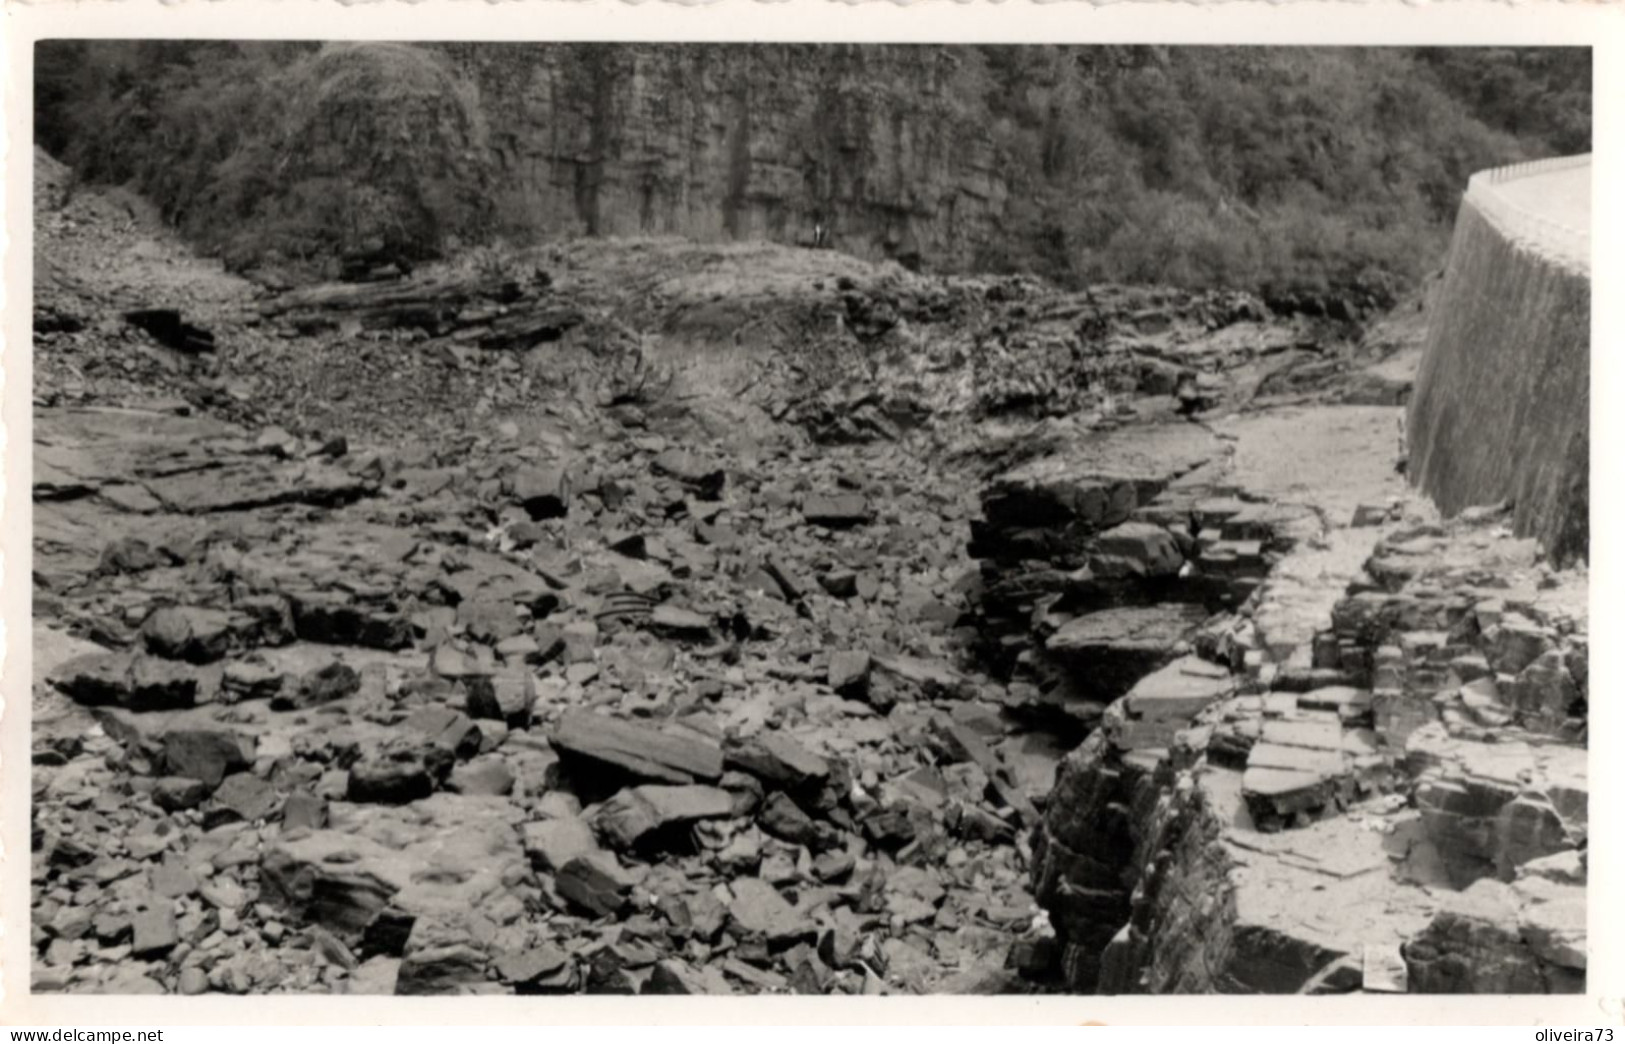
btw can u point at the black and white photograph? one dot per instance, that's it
(810, 519)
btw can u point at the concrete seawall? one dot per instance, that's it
(1501, 408)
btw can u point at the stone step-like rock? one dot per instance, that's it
(1114, 648)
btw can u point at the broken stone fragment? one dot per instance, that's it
(834, 865)
(335, 618)
(1137, 549)
(446, 952)
(154, 933)
(746, 789)
(276, 442)
(975, 823)
(1527, 828)
(326, 684)
(190, 633)
(641, 751)
(704, 477)
(488, 620)
(400, 771)
(171, 879)
(595, 882)
(448, 661)
(140, 683)
(758, 911)
(129, 555)
(808, 974)
(959, 743)
(619, 967)
(1475, 944)
(781, 817)
(1117, 647)
(890, 828)
(1383, 970)
(849, 674)
(1369, 515)
(1556, 931)
(335, 878)
(1163, 702)
(508, 697)
(910, 679)
(177, 793)
(697, 914)
(1517, 643)
(839, 583)
(676, 977)
(533, 968)
(675, 622)
(777, 759)
(486, 775)
(923, 787)
(451, 730)
(638, 813)
(838, 511)
(913, 894)
(206, 754)
(161, 685)
(249, 680)
(551, 843)
(303, 810)
(1545, 695)
(543, 492)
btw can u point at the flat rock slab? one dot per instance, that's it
(1179, 690)
(778, 759)
(1136, 549)
(759, 911)
(640, 751)
(1326, 764)
(445, 852)
(551, 843)
(840, 511)
(596, 882)
(1312, 734)
(638, 812)
(87, 448)
(241, 487)
(1152, 628)
(1099, 478)
(676, 622)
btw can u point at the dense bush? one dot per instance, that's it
(1288, 168)
(300, 154)
(1262, 167)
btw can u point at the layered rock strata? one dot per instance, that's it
(1398, 804)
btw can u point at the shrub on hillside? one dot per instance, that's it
(267, 151)
(377, 151)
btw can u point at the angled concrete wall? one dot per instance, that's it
(1501, 408)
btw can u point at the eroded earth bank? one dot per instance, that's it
(644, 617)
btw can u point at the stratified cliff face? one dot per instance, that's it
(732, 142)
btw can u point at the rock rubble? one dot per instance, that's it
(625, 630)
